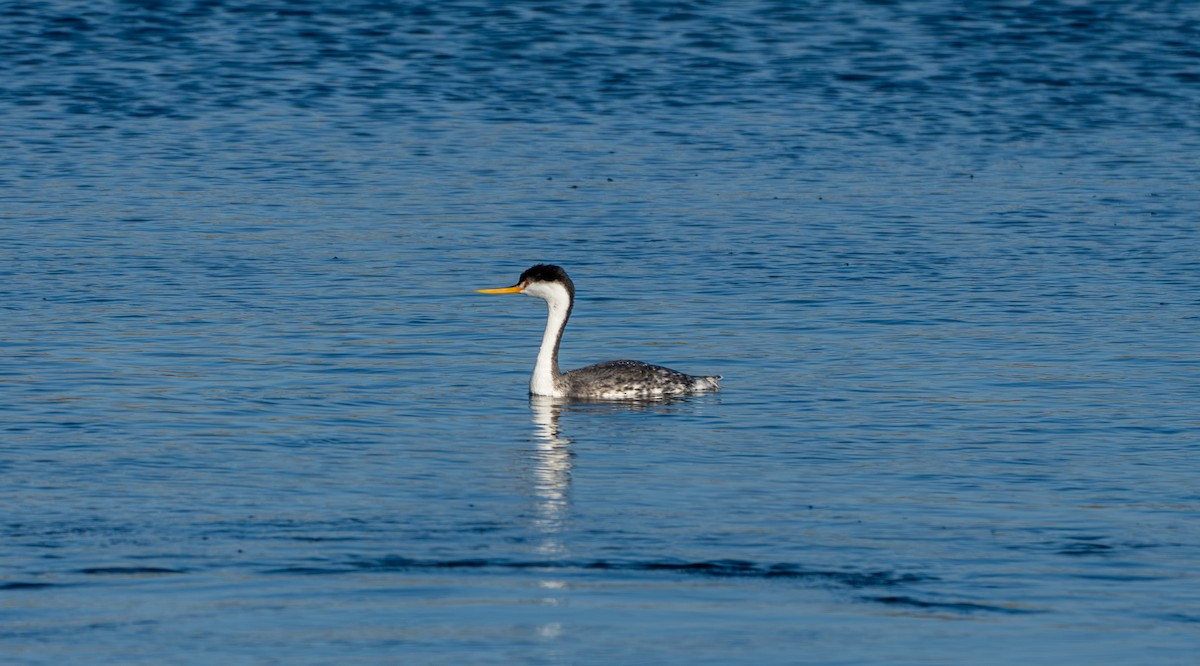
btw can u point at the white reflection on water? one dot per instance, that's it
(552, 490)
(551, 475)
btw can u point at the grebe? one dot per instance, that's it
(611, 380)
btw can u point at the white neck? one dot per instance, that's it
(545, 372)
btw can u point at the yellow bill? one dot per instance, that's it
(515, 289)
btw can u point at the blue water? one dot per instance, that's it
(946, 256)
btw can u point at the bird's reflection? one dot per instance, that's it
(551, 469)
(552, 494)
(551, 474)
(553, 462)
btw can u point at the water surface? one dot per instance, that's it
(946, 260)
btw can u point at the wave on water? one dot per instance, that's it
(714, 568)
(731, 568)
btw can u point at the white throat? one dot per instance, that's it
(545, 372)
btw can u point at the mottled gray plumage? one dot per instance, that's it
(632, 379)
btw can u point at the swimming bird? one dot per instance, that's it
(610, 380)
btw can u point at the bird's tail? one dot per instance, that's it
(710, 383)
